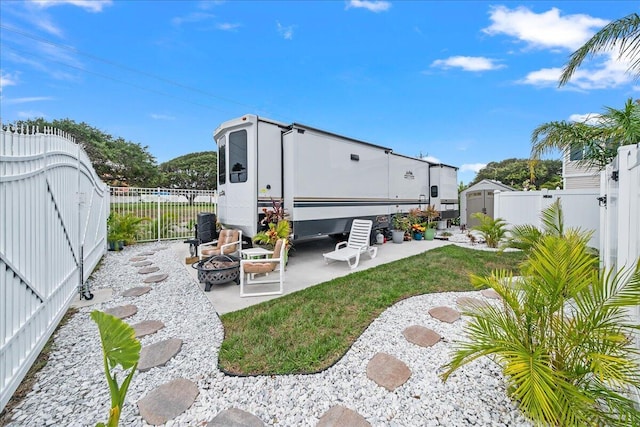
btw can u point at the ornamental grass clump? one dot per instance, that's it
(563, 336)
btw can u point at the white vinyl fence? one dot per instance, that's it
(580, 208)
(620, 216)
(53, 213)
(169, 213)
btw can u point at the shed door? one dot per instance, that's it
(479, 201)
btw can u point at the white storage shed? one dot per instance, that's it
(479, 198)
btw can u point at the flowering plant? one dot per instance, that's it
(418, 228)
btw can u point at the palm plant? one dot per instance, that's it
(492, 230)
(600, 140)
(562, 337)
(623, 33)
(525, 236)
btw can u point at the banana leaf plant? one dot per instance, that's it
(119, 347)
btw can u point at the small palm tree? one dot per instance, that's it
(524, 237)
(562, 337)
(492, 230)
(600, 138)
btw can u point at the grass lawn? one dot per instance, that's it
(310, 330)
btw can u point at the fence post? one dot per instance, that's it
(158, 216)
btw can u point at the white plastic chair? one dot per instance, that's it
(358, 243)
(266, 269)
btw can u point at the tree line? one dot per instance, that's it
(119, 162)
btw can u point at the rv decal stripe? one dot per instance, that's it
(339, 203)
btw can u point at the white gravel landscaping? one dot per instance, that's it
(72, 391)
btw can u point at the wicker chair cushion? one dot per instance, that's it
(259, 267)
(226, 236)
(265, 267)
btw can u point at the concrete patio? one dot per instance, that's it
(306, 267)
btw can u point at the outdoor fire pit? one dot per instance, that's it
(217, 269)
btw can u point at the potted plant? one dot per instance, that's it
(122, 230)
(400, 226)
(418, 231)
(431, 213)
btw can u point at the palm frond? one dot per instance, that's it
(623, 32)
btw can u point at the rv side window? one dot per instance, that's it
(238, 156)
(222, 165)
(434, 191)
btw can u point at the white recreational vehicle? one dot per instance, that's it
(324, 180)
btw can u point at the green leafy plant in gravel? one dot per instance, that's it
(309, 330)
(492, 230)
(120, 348)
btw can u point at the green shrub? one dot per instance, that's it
(492, 230)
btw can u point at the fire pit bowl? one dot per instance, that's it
(217, 269)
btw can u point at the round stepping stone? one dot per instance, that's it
(158, 354)
(156, 278)
(470, 302)
(339, 416)
(147, 327)
(146, 253)
(122, 311)
(387, 371)
(490, 293)
(445, 314)
(142, 263)
(419, 335)
(138, 258)
(234, 417)
(168, 401)
(136, 292)
(147, 270)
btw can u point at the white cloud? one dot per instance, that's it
(88, 5)
(30, 114)
(285, 32)
(7, 79)
(161, 116)
(589, 118)
(226, 26)
(543, 77)
(543, 30)
(467, 63)
(25, 100)
(608, 73)
(208, 4)
(371, 5)
(191, 18)
(472, 167)
(430, 159)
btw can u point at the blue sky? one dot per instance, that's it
(463, 82)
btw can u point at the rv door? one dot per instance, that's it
(236, 179)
